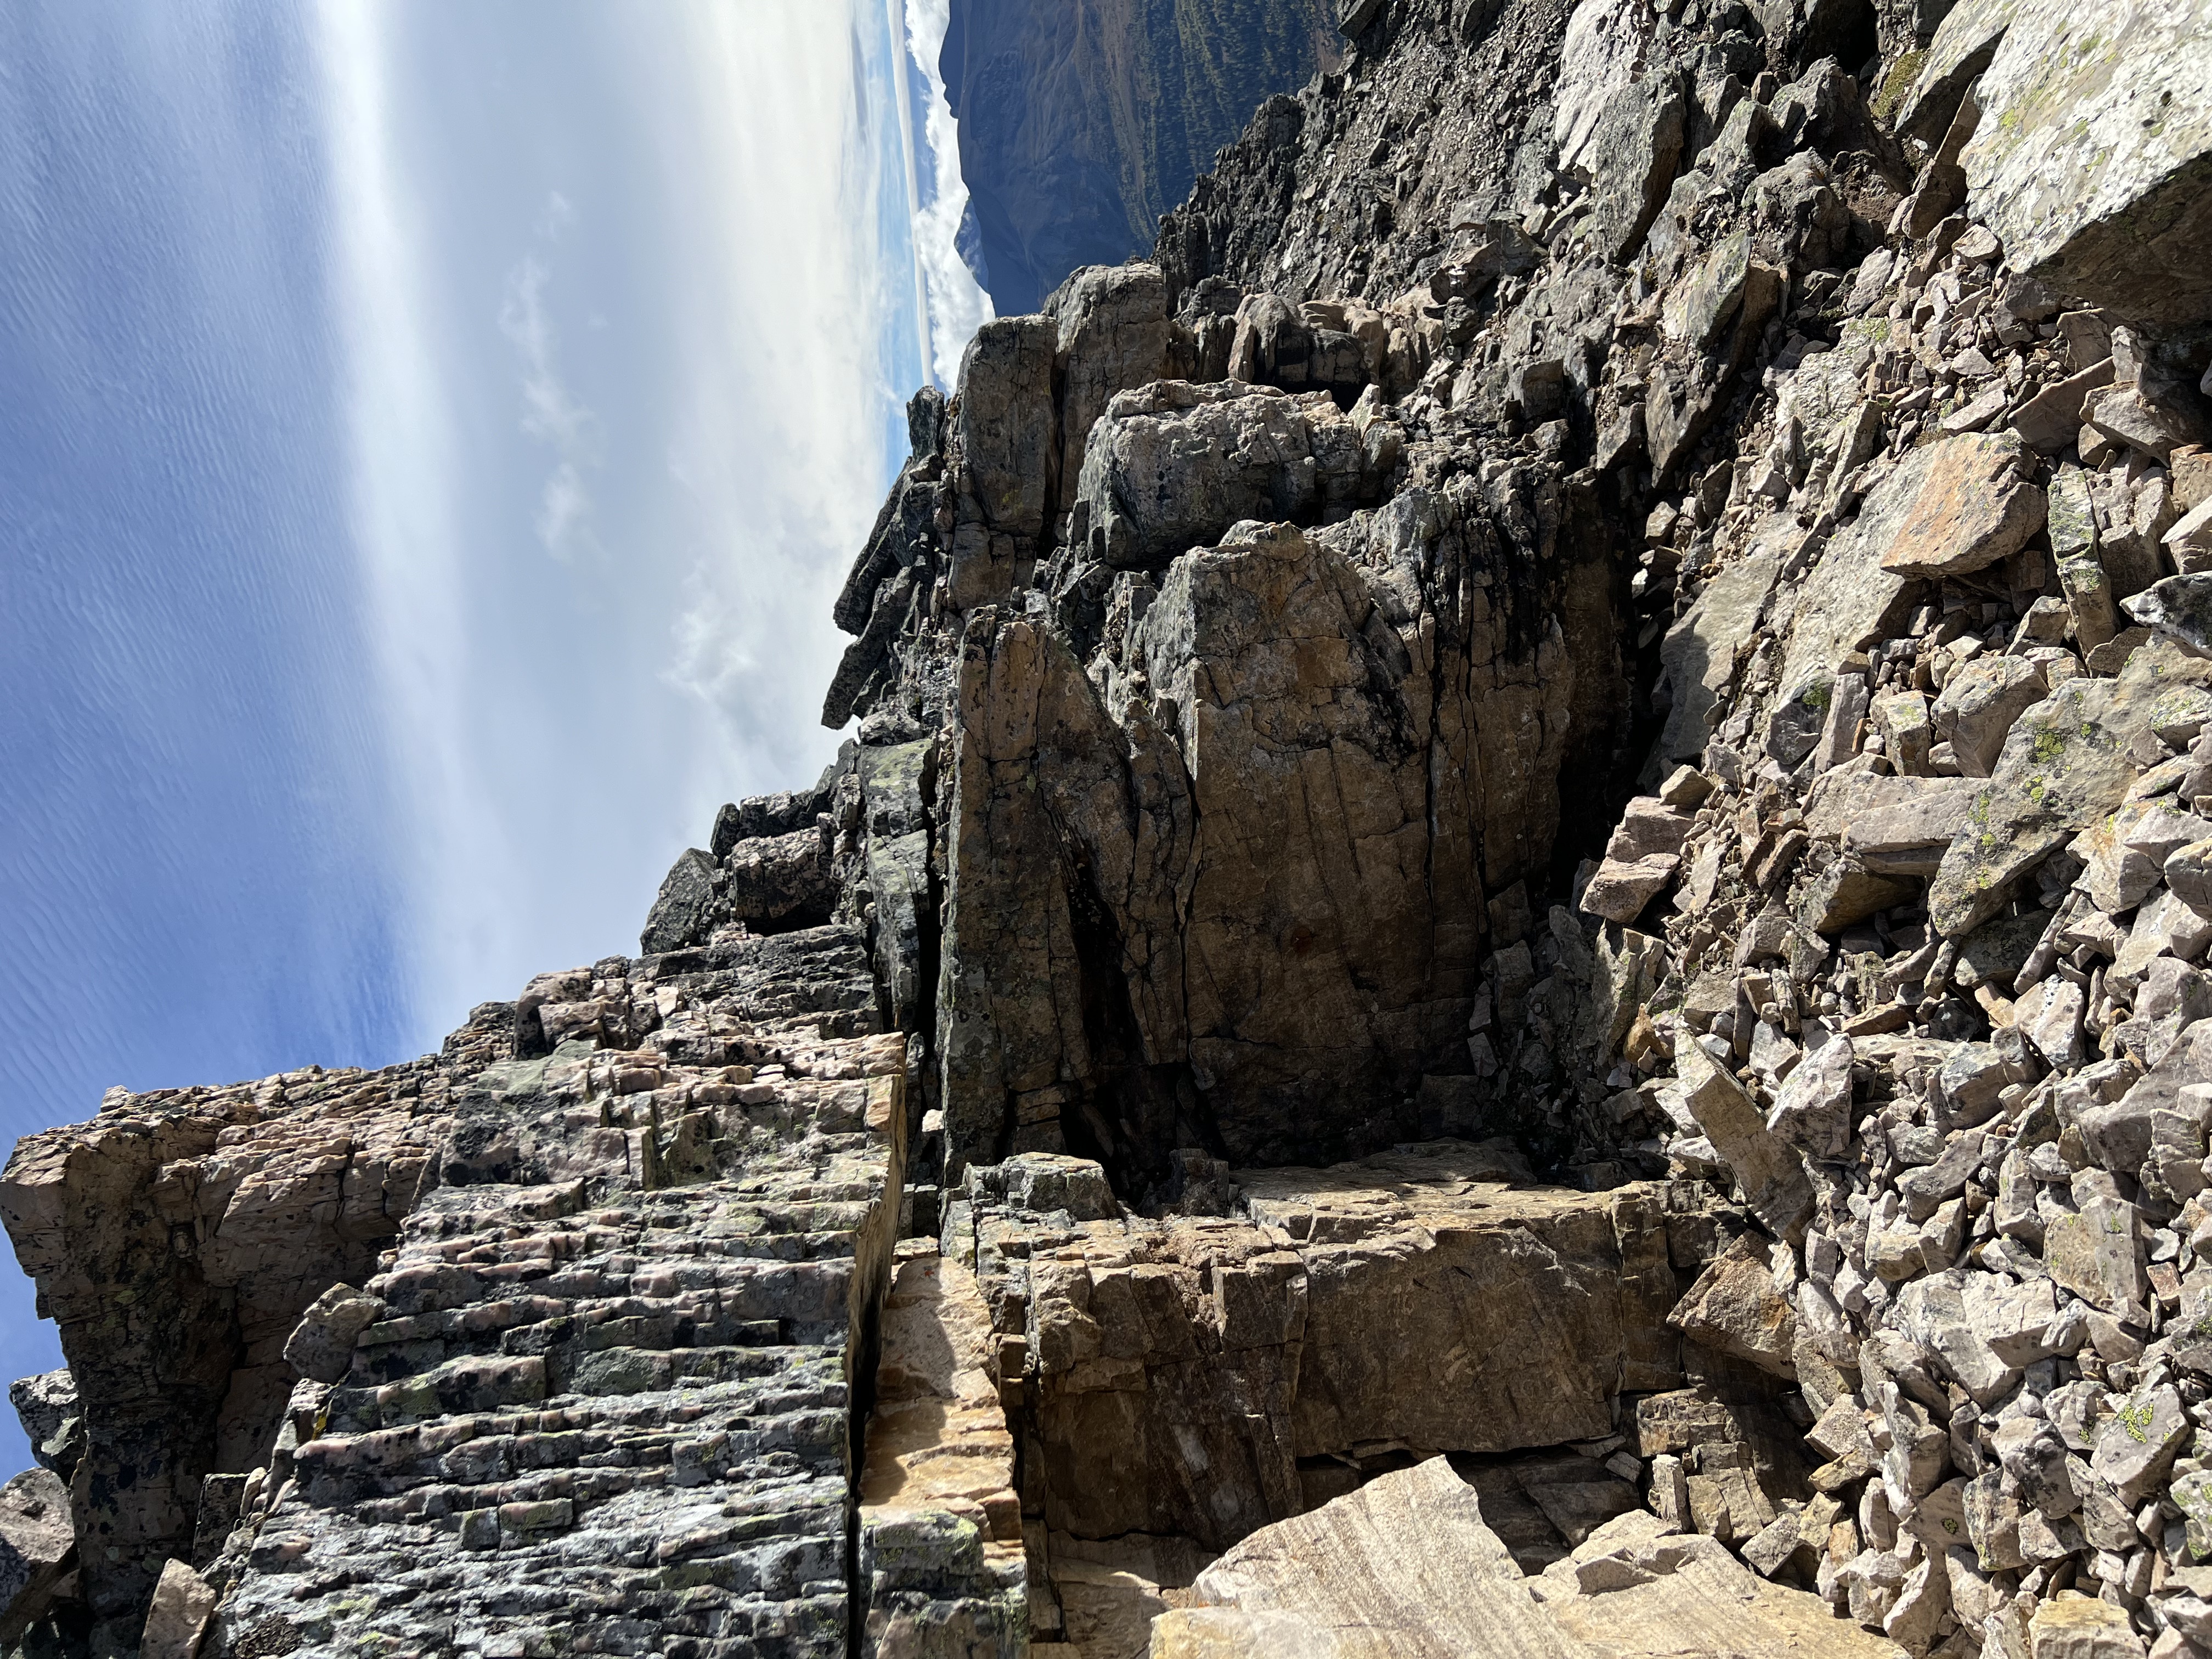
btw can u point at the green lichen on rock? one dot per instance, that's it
(2064, 767)
(1898, 82)
(2192, 1495)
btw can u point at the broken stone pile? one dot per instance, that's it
(1510, 959)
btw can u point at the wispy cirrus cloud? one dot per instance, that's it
(551, 413)
(659, 323)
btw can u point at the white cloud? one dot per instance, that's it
(779, 440)
(401, 439)
(957, 304)
(550, 413)
(693, 366)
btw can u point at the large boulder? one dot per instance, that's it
(46, 1406)
(1173, 465)
(36, 1545)
(1404, 1565)
(1409, 1567)
(1957, 507)
(1005, 430)
(1632, 154)
(1113, 333)
(1701, 649)
(683, 909)
(2092, 159)
(2181, 607)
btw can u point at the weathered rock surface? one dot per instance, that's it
(2093, 174)
(178, 1621)
(37, 1546)
(2065, 764)
(46, 1406)
(1406, 1566)
(1957, 507)
(941, 1523)
(1177, 1376)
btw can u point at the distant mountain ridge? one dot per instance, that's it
(1080, 125)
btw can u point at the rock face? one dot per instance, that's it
(1186, 1377)
(1511, 957)
(639, 1284)
(1268, 792)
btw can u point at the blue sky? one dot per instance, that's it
(431, 434)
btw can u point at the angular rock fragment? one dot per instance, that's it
(1735, 1309)
(48, 1406)
(1621, 889)
(38, 1545)
(1812, 1108)
(2063, 764)
(2179, 607)
(1955, 507)
(321, 1347)
(183, 1603)
(1978, 706)
(1766, 1166)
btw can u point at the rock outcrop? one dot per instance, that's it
(1511, 958)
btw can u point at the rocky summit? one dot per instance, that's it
(1510, 962)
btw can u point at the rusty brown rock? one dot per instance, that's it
(1958, 506)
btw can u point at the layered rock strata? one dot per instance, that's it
(1526, 861)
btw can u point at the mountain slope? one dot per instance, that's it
(1081, 125)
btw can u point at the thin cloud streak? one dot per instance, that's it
(776, 439)
(550, 413)
(403, 490)
(698, 347)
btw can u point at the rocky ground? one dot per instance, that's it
(1510, 962)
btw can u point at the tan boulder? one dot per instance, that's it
(1404, 1568)
(1620, 889)
(1735, 1308)
(1957, 507)
(2078, 1627)
(182, 1603)
(38, 1542)
(1407, 1567)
